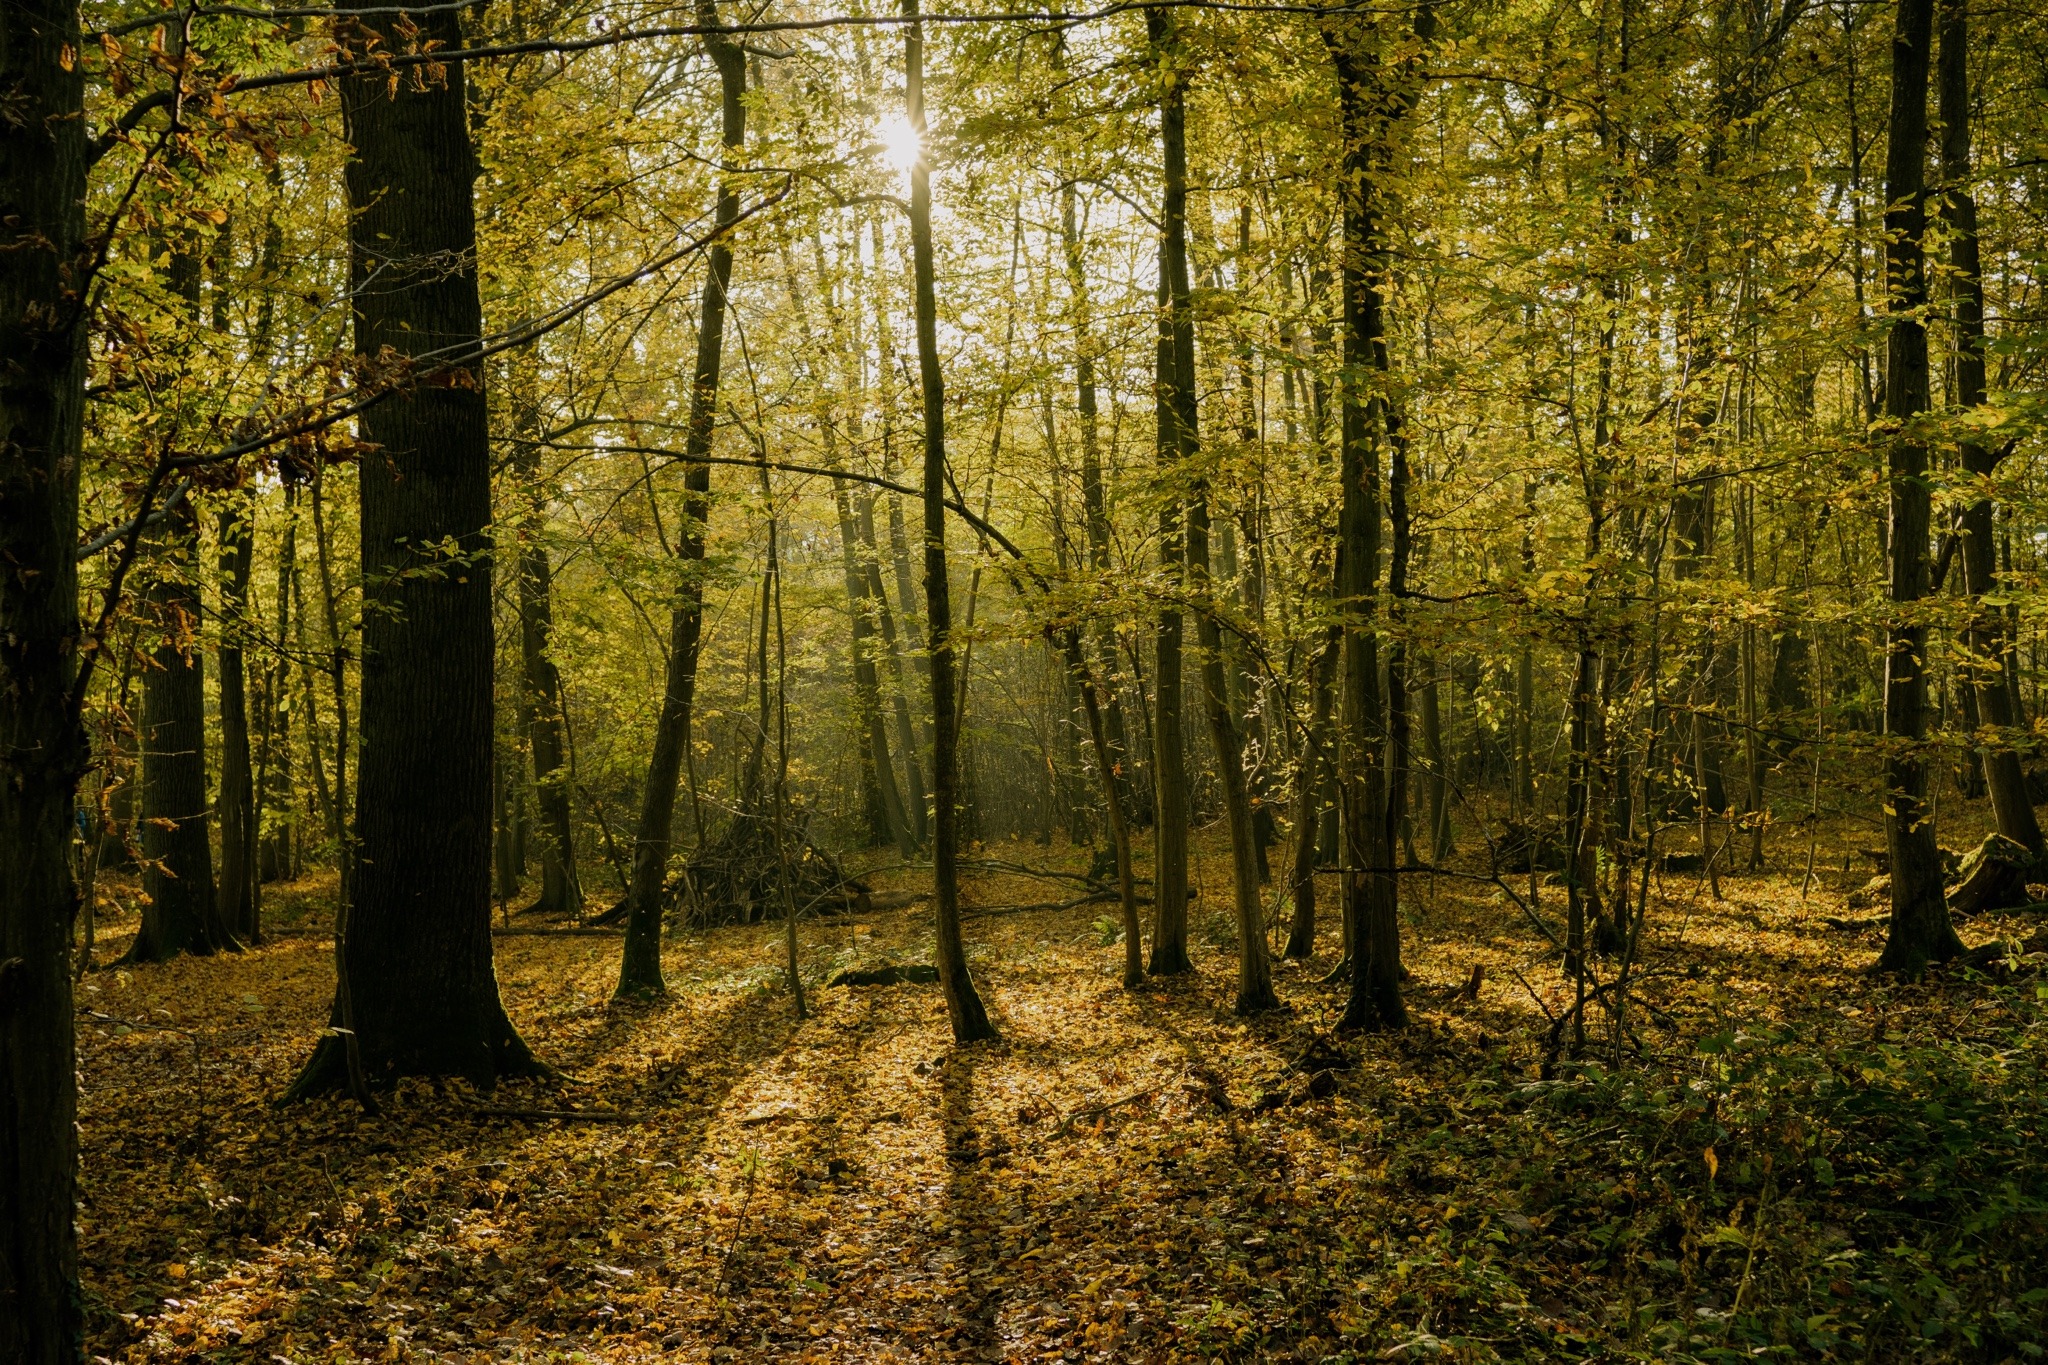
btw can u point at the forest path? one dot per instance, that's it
(1124, 1176)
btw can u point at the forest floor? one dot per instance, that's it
(1792, 1159)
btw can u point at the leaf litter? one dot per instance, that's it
(1786, 1158)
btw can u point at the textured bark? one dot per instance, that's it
(1920, 931)
(179, 912)
(42, 746)
(963, 1003)
(416, 985)
(2011, 806)
(640, 964)
(1169, 748)
(1369, 103)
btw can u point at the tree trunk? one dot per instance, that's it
(1169, 749)
(561, 892)
(236, 806)
(1369, 109)
(416, 988)
(2011, 806)
(42, 745)
(1254, 970)
(280, 793)
(1095, 504)
(1920, 931)
(179, 912)
(640, 964)
(1308, 798)
(963, 1004)
(916, 800)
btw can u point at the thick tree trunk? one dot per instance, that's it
(239, 904)
(42, 745)
(1920, 930)
(179, 913)
(963, 1003)
(1369, 105)
(640, 964)
(2011, 806)
(417, 987)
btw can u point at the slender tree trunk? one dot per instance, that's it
(917, 801)
(237, 806)
(640, 964)
(1254, 972)
(1920, 930)
(887, 822)
(280, 793)
(1308, 798)
(561, 891)
(43, 747)
(417, 993)
(1094, 501)
(2011, 806)
(1169, 760)
(963, 1004)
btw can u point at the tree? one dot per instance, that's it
(1920, 931)
(417, 994)
(640, 965)
(963, 1003)
(43, 278)
(2011, 806)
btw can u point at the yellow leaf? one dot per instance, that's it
(1713, 1163)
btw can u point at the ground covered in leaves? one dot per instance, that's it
(1785, 1158)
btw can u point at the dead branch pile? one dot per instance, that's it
(737, 876)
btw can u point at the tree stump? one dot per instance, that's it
(1992, 877)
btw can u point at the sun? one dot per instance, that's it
(899, 141)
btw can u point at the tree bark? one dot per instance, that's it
(640, 963)
(1169, 760)
(1369, 105)
(2011, 806)
(561, 892)
(416, 989)
(1920, 931)
(1254, 969)
(239, 904)
(43, 747)
(963, 1003)
(1308, 800)
(179, 912)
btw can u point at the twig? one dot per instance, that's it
(564, 1115)
(1067, 1123)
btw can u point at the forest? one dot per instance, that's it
(1197, 680)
